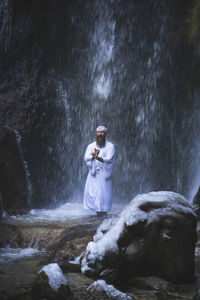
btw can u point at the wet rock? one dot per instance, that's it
(196, 204)
(65, 242)
(23, 294)
(10, 235)
(155, 235)
(71, 249)
(152, 283)
(78, 284)
(197, 294)
(161, 287)
(141, 294)
(69, 267)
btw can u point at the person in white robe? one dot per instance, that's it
(99, 158)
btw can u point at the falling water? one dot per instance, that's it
(127, 79)
(122, 64)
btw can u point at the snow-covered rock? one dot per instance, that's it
(50, 283)
(55, 275)
(154, 235)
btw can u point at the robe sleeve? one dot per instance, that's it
(88, 160)
(108, 161)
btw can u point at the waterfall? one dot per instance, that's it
(128, 79)
(122, 64)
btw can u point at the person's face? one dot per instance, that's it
(101, 135)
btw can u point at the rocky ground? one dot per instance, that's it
(64, 242)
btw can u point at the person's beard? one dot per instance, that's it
(100, 139)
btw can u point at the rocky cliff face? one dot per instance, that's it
(31, 104)
(16, 191)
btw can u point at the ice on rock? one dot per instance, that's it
(104, 227)
(110, 290)
(77, 260)
(55, 275)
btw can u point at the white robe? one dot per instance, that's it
(98, 186)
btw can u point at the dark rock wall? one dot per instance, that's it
(13, 178)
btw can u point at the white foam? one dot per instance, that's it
(110, 290)
(11, 254)
(56, 277)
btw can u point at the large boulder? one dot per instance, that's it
(154, 235)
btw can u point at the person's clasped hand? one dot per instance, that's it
(95, 153)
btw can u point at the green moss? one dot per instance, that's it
(193, 21)
(193, 37)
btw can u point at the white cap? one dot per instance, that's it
(101, 128)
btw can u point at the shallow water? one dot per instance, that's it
(69, 213)
(8, 254)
